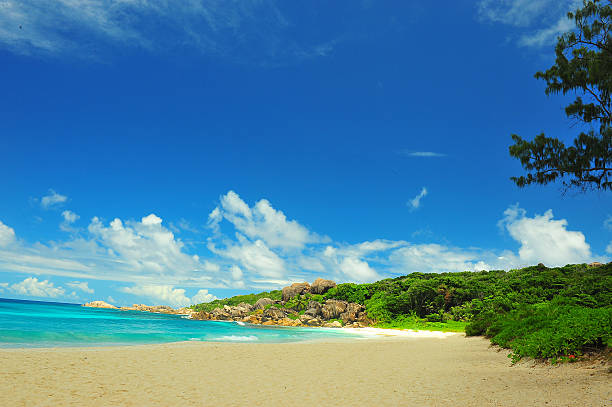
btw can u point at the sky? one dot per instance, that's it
(173, 153)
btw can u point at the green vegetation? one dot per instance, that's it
(583, 66)
(418, 324)
(536, 311)
(233, 301)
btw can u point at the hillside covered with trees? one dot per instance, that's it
(539, 312)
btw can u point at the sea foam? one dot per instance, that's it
(238, 338)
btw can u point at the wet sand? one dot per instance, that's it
(390, 371)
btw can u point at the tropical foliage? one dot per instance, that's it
(583, 66)
(536, 311)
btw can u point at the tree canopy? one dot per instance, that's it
(583, 66)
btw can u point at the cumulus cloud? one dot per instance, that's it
(81, 285)
(544, 239)
(202, 296)
(262, 221)
(7, 235)
(31, 287)
(415, 202)
(529, 16)
(167, 294)
(254, 256)
(258, 247)
(52, 200)
(146, 246)
(358, 270)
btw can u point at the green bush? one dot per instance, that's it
(550, 330)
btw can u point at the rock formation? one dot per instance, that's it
(270, 312)
(295, 289)
(99, 304)
(321, 286)
(262, 302)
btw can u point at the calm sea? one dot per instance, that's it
(50, 324)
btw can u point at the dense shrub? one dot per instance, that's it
(548, 330)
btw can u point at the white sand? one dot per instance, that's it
(407, 369)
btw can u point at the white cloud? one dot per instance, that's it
(243, 30)
(31, 287)
(151, 219)
(548, 35)
(428, 258)
(544, 239)
(263, 222)
(515, 12)
(261, 249)
(146, 246)
(358, 270)
(254, 256)
(7, 235)
(422, 154)
(81, 285)
(52, 200)
(167, 294)
(236, 272)
(541, 21)
(69, 218)
(202, 296)
(608, 223)
(415, 202)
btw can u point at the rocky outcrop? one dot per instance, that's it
(321, 286)
(295, 289)
(262, 302)
(267, 311)
(333, 308)
(595, 264)
(314, 309)
(274, 313)
(99, 304)
(158, 309)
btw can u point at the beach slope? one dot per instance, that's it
(400, 371)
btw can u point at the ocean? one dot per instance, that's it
(37, 324)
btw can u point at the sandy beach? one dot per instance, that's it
(408, 370)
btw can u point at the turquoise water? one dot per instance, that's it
(48, 324)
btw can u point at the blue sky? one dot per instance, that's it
(171, 154)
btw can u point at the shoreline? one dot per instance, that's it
(358, 334)
(382, 370)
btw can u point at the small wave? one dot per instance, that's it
(194, 339)
(237, 338)
(240, 323)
